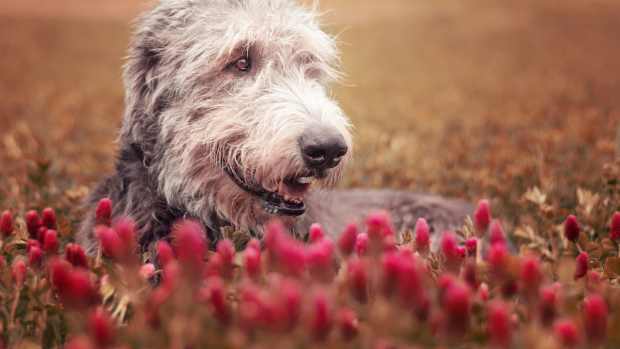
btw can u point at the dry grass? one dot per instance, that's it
(476, 100)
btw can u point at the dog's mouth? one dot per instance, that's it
(287, 197)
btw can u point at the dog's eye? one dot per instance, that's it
(243, 64)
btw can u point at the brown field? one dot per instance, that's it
(474, 100)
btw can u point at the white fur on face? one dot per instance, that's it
(217, 116)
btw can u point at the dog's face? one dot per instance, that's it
(230, 100)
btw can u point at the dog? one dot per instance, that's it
(229, 121)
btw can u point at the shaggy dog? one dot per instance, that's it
(229, 121)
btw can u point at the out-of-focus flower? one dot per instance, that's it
(190, 243)
(6, 224)
(50, 241)
(321, 317)
(35, 257)
(347, 323)
(497, 234)
(48, 218)
(18, 271)
(316, 232)
(457, 306)
(571, 228)
(499, 324)
(103, 212)
(101, 327)
(75, 254)
(472, 246)
(147, 271)
(450, 250)
(566, 333)
(498, 258)
(74, 285)
(548, 304)
(581, 265)
(252, 262)
(33, 222)
(614, 227)
(357, 279)
(215, 294)
(482, 216)
(422, 235)
(595, 315)
(226, 250)
(346, 242)
(531, 275)
(165, 254)
(361, 244)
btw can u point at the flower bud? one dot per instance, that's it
(499, 324)
(530, 275)
(548, 304)
(32, 242)
(497, 235)
(253, 243)
(361, 244)
(316, 232)
(103, 212)
(6, 224)
(581, 265)
(379, 225)
(75, 254)
(422, 235)
(252, 262)
(498, 259)
(216, 296)
(74, 285)
(347, 323)
(101, 327)
(226, 250)
(321, 319)
(125, 228)
(471, 245)
(50, 241)
(450, 250)
(457, 306)
(164, 253)
(470, 275)
(18, 271)
(35, 257)
(48, 218)
(566, 333)
(595, 315)
(357, 279)
(614, 231)
(33, 222)
(571, 228)
(346, 241)
(482, 216)
(111, 244)
(190, 243)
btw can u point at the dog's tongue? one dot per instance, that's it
(291, 191)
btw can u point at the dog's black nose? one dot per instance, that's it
(322, 148)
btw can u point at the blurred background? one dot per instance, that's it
(470, 99)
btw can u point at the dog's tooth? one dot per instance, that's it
(305, 180)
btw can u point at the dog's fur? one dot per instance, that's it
(190, 113)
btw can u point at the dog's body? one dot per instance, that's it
(229, 121)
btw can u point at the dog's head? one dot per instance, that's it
(228, 101)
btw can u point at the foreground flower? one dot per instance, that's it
(346, 242)
(571, 228)
(497, 234)
(531, 275)
(422, 235)
(101, 327)
(457, 306)
(595, 318)
(103, 212)
(74, 285)
(581, 265)
(18, 271)
(357, 278)
(499, 324)
(347, 323)
(190, 243)
(33, 223)
(48, 218)
(614, 232)
(321, 319)
(566, 333)
(75, 254)
(316, 232)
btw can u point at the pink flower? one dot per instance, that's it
(33, 222)
(410, 285)
(321, 319)
(391, 267)
(147, 271)
(483, 292)
(216, 297)
(6, 224)
(316, 232)
(253, 243)
(379, 225)
(252, 262)
(48, 218)
(581, 265)
(498, 259)
(50, 241)
(571, 228)
(482, 216)
(346, 241)
(111, 244)
(471, 246)
(103, 212)
(320, 257)
(126, 230)
(548, 304)
(361, 244)
(357, 279)
(165, 254)
(497, 235)
(422, 235)
(30, 243)
(347, 323)
(499, 324)
(530, 274)
(74, 285)
(226, 250)
(595, 315)
(614, 232)
(450, 250)
(470, 275)
(101, 327)
(190, 243)
(35, 257)
(457, 306)
(566, 333)
(18, 271)
(75, 254)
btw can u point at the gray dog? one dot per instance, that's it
(229, 121)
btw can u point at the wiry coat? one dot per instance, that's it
(189, 115)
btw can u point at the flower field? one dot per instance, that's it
(513, 102)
